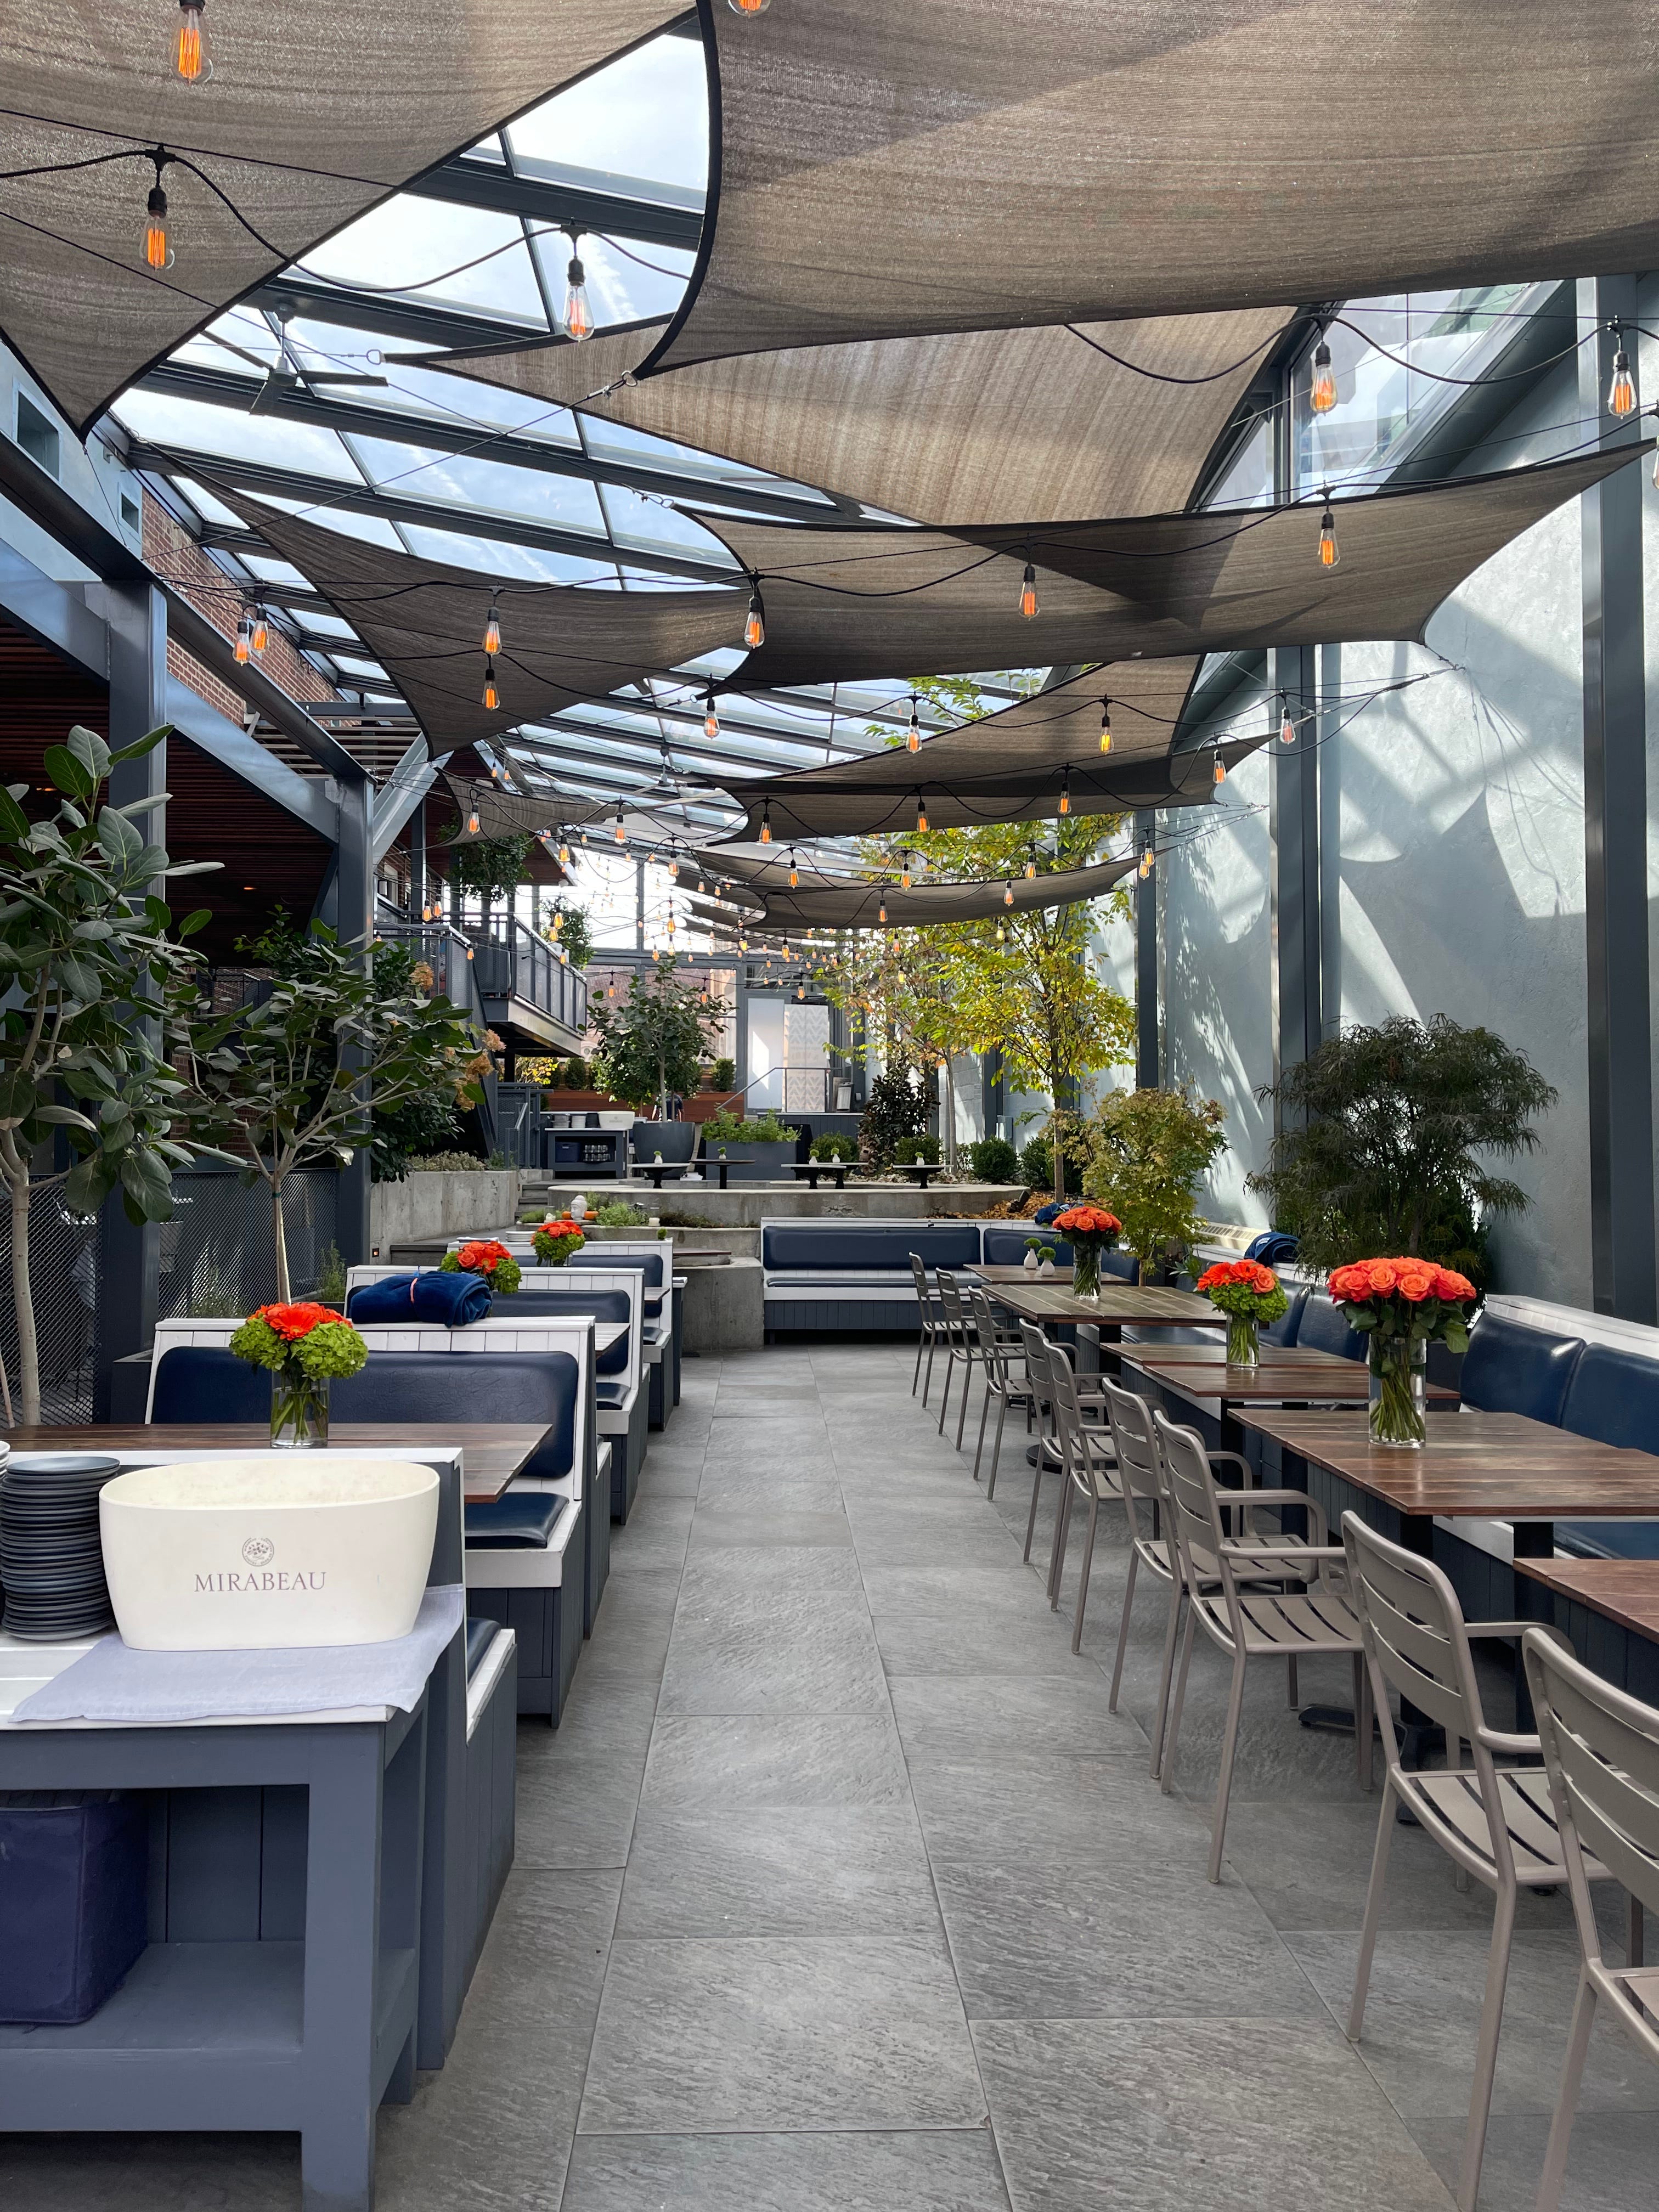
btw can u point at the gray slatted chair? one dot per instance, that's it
(1088, 1471)
(1010, 1386)
(1141, 1484)
(932, 1322)
(1037, 1349)
(1601, 1754)
(1231, 1595)
(960, 1346)
(1494, 1823)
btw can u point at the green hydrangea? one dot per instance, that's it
(331, 1347)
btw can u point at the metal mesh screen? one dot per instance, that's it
(218, 1251)
(64, 1270)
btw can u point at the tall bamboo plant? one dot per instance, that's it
(87, 951)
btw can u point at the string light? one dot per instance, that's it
(749, 7)
(1007, 893)
(1621, 393)
(261, 635)
(711, 720)
(1287, 728)
(913, 739)
(621, 833)
(921, 817)
(1105, 726)
(766, 824)
(492, 697)
(1065, 791)
(191, 59)
(158, 247)
(904, 871)
(564, 856)
(754, 630)
(795, 875)
(881, 911)
(492, 636)
(471, 825)
(1028, 598)
(578, 314)
(1220, 767)
(1031, 870)
(1328, 556)
(1322, 393)
(244, 639)
(674, 866)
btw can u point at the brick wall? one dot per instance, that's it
(175, 554)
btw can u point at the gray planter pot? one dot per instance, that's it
(751, 1162)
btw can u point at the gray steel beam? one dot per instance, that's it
(396, 801)
(1146, 1008)
(449, 327)
(1293, 839)
(1616, 983)
(467, 182)
(353, 922)
(57, 614)
(305, 797)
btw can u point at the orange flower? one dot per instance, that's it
(1416, 1283)
(483, 1256)
(1350, 1285)
(1450, 1286)
(1088, 1221)
(1382, 1275)
(292, 1322)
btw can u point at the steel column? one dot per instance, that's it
(353, 924)
(1293, 837)
(1146, 1052)
(1618, 1026)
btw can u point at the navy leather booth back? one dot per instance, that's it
(1121, 1265)
(1321, 1325)
(1283, 1331)
(579, 1302)
(1614, 1397)
(650, 1264)
(807, 1244)
(205, 1382)
(1508, 1369)
(1006, 1248)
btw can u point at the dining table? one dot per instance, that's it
(1472, 1465)
(492, 1452)
(1196, 1384)
(1051, 1301)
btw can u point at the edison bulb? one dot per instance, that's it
(158, 249)
(191, 62)
(1322, 393)
(578, 314)
(1328, 556)
(492, 636)
(754, 630)
(1621, 393)
(1028, 598)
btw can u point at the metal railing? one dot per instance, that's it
(511, 962)
(449, 955)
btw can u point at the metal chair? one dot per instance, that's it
(1494, 1823)
(1089, 1469)
(932, 1321)
(1140, 1485)
(1601, 1755)
(1000, 1347)
(960, 1344)
(1231, 1595)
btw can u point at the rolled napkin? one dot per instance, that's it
(446, 1301)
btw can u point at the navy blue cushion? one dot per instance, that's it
(1006, 1248)
(517, 1521)
(1323, 1324)
(1614, 1397)
(871, 1244)
(1511, 1368)
(454, 1301)
(1122, 1265)
(1609, 1540)
(578, 1303)
(480, 1635)
(1283, 1331)
(609, 1394)
(205, 1382)
(650, 1264)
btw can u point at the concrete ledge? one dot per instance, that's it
(747, 1207)
(440, 1204)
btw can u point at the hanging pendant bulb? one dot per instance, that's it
(1322, 393)
(711, 720)
(158, 247)
(492, 697)
(621, 833)
(1065, 791)
(881, 911)
(471, 825)
(754, 630)
(1028, 598)
(1002, 934)
(1105, 726)
(1328, 556)
(564, 856)
(913, 737)
(766, 824)
(244, 639)
(1007, 893)
(1031, 870)
(904, 871)
(191, 60)
(800, 990)
(701, 894)
(794, 874)
(1220, 769)
(259, 637)
(921, 817)
(1286, 726)
(578, 314)
(492, 636)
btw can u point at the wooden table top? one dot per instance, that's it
(1117, 1303)
(492, 1452)
(1500, 1465)
(1625, 1590)
(1317, 1377)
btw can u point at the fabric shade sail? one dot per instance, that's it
(500, 813)
(424, 622)
(312, 116)
(819, 900)
(844, 603)
(951, 165)
(963, 427)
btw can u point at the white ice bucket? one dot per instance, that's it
(264, 1554)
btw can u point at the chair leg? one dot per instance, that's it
(1123, 1627)
(927, 1383)
(1566, 2104)
(1062, 1537)
(967, 1385)
(1634, 1931)
(1486, 2055)
(996, 1448)
(1289, 1685)
(1083, 1575)
(1225, 1780)
(984, 1413)
(1036, 1485)
(1166, 1777)
(1165, 1672)
(1362, 1974)
(1362, 1720)
(945, 1394)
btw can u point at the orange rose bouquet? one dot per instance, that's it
(1250, 1296)
(1403, 1306)
(304, 1347)
(556, 1239)
(488, 1257)
(1090, 1231)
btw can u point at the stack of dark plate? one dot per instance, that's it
(52, 1565)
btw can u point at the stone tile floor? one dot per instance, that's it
(841, 1887)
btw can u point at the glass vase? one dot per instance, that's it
(1399, 1391)
(1086, 1271)
(299, 1409)
(1243, 1340)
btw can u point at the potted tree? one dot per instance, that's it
(652, 1047)
(1149, 1151)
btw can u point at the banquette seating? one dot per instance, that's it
(856, 1274)
(661, 1347)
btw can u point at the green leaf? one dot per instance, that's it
(140, 746)
(184, 868)
(118, 841)
(64, 1117)
(68, 774)
(14, 823)
(89, 749)
(197, 920)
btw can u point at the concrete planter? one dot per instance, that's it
(749, 1163)
(441, 1205)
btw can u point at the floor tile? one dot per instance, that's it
(941, 1717)
(930, 2171)
(819, 1870)
(775, 1653)
(792, 1761)
(722, 1527)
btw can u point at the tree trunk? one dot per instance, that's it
(22, 1293)
(1059, 1161)
(949, 1117)
(280, 1237)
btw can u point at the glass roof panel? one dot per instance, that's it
(645, 115)
(369, 527)
(408, 389)
(209, 509)
(431, 250)
(617, 441)
(463, 550)
(484, 487)
(642, 521)
(195, 426)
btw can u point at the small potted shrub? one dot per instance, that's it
(723, 1077)
(834, 1146)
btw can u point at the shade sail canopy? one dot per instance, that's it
(500, 813)
(311, 117)
(951, 165)
(965, 428)
(847, 603)
(424, 622)
(820, 901)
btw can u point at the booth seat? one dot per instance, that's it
(661, 1347)
(855, 1274)
(1283, 1330)
(1319, 1322)
(1003, 1245)
(1513, 1368)
(1613, 1395)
